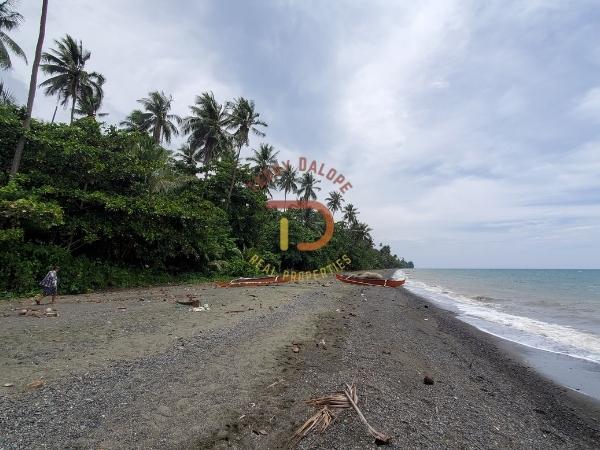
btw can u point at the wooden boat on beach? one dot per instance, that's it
(258, 281)
(362, 281)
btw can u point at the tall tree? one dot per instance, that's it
(189, 156)
(334, 201)
(265, 166)
(243, 119)
(137, 121)
(9, 20)
(206, 127)
(362, 232)
(32, 87)
(263, 158)
(308, 187)
(350, 214)
(160, 122)
(308, 191)
(66, 65)
(90, 101)
(288, 180)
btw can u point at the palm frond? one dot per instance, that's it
(9, 21)
(6, 97)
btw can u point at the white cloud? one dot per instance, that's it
(589, 105)
(454, 120)
(135, 47)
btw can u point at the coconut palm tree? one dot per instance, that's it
(16, 162)
(189, 156)
(136, 121)
(263, 158)
(90, 101)
(206, 127)
(334, 201)
(9, 20)
(161, 125)
(288, 181)
(6, 97)
(242, 120)
(265, 166)
(66, 66)
(350, 214)
(308, 187)
(362, 232)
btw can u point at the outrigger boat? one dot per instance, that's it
(369, 281)
(259, 281)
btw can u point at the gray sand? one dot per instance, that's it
(157, 375)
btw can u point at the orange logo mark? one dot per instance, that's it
(305, 204)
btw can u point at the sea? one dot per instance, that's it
(556, 312)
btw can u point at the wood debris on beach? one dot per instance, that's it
(33, 312)
(330, 406)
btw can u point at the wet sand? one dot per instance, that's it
(132, 369)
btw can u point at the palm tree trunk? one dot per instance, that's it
(156, 134)
(234, 175)
(73, 107)
(55, 108)
(32, 87)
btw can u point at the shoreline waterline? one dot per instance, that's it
(524, 316)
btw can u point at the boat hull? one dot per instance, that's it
(369, 281)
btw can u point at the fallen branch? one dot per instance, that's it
(322, 419)
(330, 406)
(281, 380)
(379, 437)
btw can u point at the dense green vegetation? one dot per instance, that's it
(113, 207)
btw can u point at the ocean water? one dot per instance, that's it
(556, 311)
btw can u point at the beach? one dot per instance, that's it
(134, 369)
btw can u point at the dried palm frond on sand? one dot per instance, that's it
(330, 405)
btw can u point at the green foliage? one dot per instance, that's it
(68, 80)
(113, 208)
(88, 199)
(6, 97)
(10, 20)
(157, 119)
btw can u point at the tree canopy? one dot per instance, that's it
(114, 207)
(10, 20)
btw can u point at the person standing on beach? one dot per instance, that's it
(49, 285)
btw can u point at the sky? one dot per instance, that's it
(470, 130)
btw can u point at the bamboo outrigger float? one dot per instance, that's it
(369, 281)
(259, 281)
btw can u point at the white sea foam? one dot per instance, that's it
(398, 275)
(534, 333)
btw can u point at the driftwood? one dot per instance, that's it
(331, 405)
(190, 302)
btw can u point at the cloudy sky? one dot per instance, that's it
(469, 130)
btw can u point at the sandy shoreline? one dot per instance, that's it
(131, 369)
